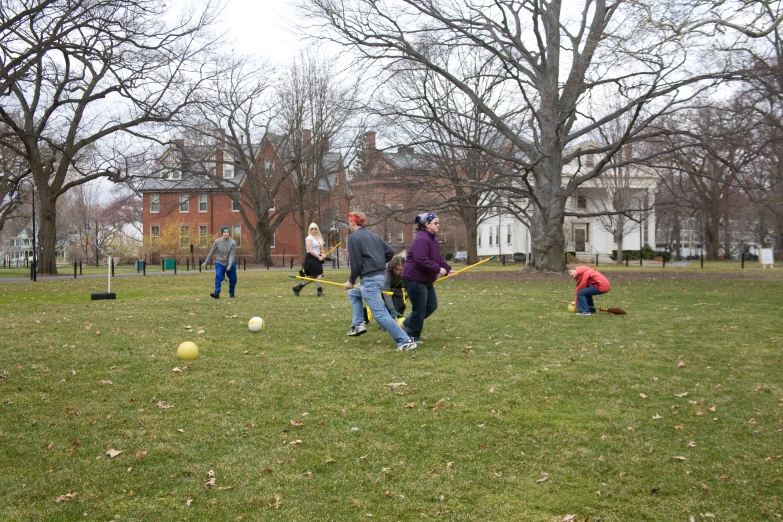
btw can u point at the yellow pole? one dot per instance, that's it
(466, 268)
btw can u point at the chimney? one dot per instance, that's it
(369, 140)
(325, 144)
(306, 136)
(221, 138)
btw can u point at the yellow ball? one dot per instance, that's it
(187, 351)
(400, 320)
(255, 324)
(572, 308)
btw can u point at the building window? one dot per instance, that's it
(184, 235)
(388, 205)
(202, 202)
(589, 161)
(400, 238)
(184, 202)
(234, 206)
(267, 165)
(581, 202)
(491, 235)
(237, 234)
(175, 174)
(272, 243)
(154, 202)
(508, 234)
(497, 236)
(478, 234)
(154, 236)
(399, 206)
(203, 236)
(228, 171)
(388, 237)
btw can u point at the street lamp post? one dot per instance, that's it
(18, 201)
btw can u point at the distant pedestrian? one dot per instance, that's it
(589, 282)
(313, 265)
(225, 250)
(423, 265)
(368, 257)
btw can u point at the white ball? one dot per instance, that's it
(255, 324)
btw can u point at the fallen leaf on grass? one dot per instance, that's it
(176, 370)
(105, 382)
(189, 501)
(752, 421)
(65, 498)
(681, 364)
(681, 395)
(438, 405)
(278, 502)
(691, 444)
(410, 405)
(112, 453)
(542, 479)
(267, 471)
(163, 406)
(679, 427)
(680, 457)
(49, 446)
(393, 385)
(772, 457)
(643, 396)
(296, 423)
(140, 455)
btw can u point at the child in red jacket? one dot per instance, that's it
(589, 282)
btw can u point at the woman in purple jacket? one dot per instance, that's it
(423, 265)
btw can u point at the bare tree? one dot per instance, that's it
(429, 115)
(82, 79)
(560, 60)
(316, 103)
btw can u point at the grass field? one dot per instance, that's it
(512, 409)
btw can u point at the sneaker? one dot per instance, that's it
(417, 340)
(215, 295)
(359, 329)
(296, 290)
(406, 347)
(231, 296)
(584, 313)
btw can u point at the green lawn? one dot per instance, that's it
(512, 409)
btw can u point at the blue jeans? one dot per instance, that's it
(220, 273)
(370, 292)
(585, 300)
(423, 303)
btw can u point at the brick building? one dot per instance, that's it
(391, 190)
(196, 192)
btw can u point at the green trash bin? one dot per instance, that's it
(168, 264)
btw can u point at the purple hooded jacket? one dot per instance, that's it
(423, 261)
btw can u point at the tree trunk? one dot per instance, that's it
(47, 232)
(620, 237)
(711, 238)
(548, 236)
(261, 243)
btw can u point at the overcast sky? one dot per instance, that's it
(262, 27)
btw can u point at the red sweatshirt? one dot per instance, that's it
(586, 276)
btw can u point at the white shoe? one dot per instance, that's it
(406, 347)
(359, 329)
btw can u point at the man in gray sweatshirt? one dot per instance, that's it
(368, 255)
(225, 250)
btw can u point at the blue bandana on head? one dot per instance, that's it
(425, 218)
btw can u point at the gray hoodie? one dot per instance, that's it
(226, 249)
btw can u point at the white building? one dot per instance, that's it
(630, 188)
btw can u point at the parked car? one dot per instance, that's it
(460, 257)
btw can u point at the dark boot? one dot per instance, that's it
(215, 295)
(296, 290)
(321, 292)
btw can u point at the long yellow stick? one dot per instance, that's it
(466, 268)
(327, 282)
(335, 246)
